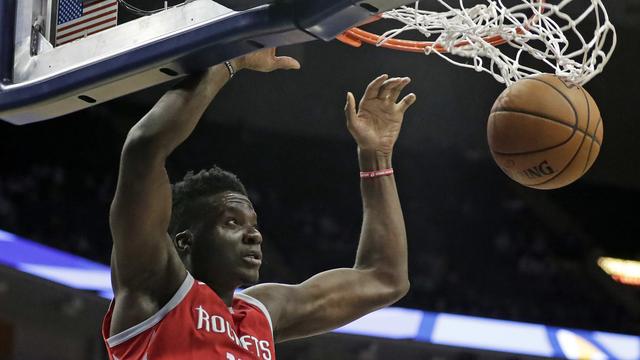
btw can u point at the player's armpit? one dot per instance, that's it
(325, 302)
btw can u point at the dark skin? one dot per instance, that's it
(222, 248)
(227, 250)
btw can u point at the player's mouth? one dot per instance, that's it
(253, 257)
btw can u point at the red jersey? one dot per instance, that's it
(196, 325)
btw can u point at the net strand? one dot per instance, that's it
(534, 28)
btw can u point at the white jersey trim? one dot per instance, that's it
(255, 302)
(155, 318)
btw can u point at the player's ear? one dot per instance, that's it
(183, 241)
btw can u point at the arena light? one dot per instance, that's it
(54, 265)
(623, 271)
(7, 236)
(391, 323)
(492, 335)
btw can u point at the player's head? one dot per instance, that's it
(213, 227)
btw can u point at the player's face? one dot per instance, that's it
(229, 251)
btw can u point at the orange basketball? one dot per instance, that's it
(543, 132)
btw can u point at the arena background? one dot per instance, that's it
(479, 243)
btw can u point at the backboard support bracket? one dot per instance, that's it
(37, 29)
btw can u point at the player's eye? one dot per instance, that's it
(231, 221)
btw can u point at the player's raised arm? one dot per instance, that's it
(379, 276)
(146, 269)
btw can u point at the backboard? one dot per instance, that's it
(40, 81)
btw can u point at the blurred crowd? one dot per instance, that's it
(476, 247)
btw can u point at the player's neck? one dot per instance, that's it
(227, 297)
(224, 292)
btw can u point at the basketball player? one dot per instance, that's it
(178, 259)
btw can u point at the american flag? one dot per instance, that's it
(80, 18)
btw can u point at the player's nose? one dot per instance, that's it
(252, 236)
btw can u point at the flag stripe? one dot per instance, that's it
(83, 29)
(80, 18)
(81, 35)
(88, 3)
(83, 24)
(96, 7)
(83, 19)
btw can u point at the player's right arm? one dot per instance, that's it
(146, 269)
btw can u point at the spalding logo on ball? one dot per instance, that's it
(544, 133)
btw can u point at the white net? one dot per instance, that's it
(575, 45)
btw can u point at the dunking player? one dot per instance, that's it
(207, 230)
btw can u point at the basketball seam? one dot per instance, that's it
(574, 126)
(575, 154)
(544, 117)
(537, 150)
(595, 139)
(575, 112)
(563, 168)
(586, 165)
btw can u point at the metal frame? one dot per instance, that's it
(51, 17)
(158, 48)
(8, 16)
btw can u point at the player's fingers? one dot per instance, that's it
(287, 63)
(350, 108)
(407, 101)
(394, 93)
(374, 87)
(386, 90)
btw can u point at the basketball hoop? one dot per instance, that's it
(575, 48)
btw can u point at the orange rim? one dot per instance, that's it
(356, 36)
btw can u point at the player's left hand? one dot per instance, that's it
(265, 60)
(377, 122)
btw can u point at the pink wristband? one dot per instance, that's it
(372, 174)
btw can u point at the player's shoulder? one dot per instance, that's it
(267, 293)
(246, 299)
(247, 303)
(273, 296)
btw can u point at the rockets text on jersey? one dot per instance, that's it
(196, 325)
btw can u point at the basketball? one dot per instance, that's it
(544, 133)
